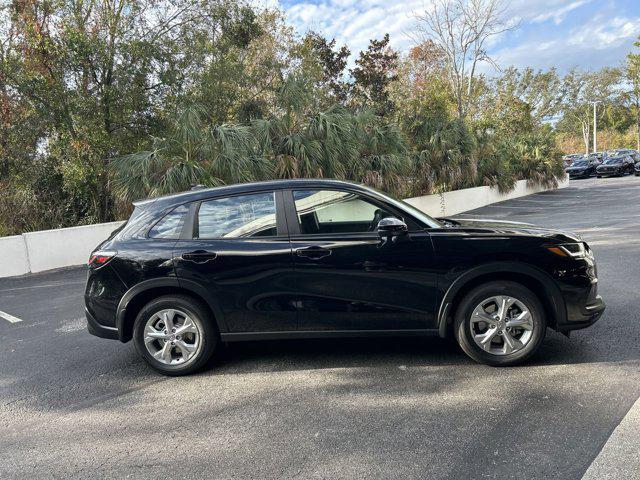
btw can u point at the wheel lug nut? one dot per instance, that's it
(173, 330)
(173, 343)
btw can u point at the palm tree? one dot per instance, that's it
(191, 153)
(292, 142)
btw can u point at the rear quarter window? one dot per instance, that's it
(170, 226)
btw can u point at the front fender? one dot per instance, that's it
(554, 299)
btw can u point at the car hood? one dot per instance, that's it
(502, 228)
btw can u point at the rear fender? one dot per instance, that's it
(180, 285)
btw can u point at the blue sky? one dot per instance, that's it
(587, 34)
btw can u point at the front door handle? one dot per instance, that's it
(199, 256)
(313, 253)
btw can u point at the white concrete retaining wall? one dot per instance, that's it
(457, 201)
(64, 247)
(48, 249)
(13, 256)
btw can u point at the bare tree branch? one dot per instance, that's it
(462, 29)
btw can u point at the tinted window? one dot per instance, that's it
(613, 161)
(330, 211)
(252, 215)
(171, 225)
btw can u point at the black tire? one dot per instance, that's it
(598, 176)
(462, 323)
(199, 314)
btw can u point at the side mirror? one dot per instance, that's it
(391, 228)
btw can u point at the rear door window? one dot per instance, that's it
(239, 216)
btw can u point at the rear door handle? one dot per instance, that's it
(199, 256)
(314, 253)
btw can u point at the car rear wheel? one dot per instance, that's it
(500, 323)
(175, 334)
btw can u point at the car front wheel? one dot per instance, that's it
(500, 323)
(175, 334)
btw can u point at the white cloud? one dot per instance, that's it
(600, 42)
(559, 14)
(548, 37)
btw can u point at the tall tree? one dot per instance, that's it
(329, 63)
(375, 71)
(632, 93)
(461, 29)
(581, 91)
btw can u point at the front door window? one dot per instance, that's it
(331, 211)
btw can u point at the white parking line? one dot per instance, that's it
(46, 285)
(9, 318)
(619, 457)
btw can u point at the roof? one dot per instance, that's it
(202, 193)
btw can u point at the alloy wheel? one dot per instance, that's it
(172, 337)
(501, 325)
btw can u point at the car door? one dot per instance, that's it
(346, 278)
(628, 164)
(239, 251)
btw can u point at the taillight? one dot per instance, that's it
(100, 258)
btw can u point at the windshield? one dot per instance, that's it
(413, 211)
(580, 163)
(612, 161)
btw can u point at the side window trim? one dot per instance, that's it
(291, 213)
(190, 224)
(282, 226)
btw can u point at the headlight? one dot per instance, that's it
(575, 250)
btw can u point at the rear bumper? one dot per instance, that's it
(98, 329)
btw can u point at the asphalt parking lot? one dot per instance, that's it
(75, 406)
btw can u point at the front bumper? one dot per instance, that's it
(609, 173)
(587, 316)
(579, 174)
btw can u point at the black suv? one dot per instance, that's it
(615, 166)
(582, 169)
(324, 258)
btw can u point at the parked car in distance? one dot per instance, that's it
(567, 160)
(598, 157)
(296, 259)
(582, 169)
(637, 169)
(615, 166)
(623, 151)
